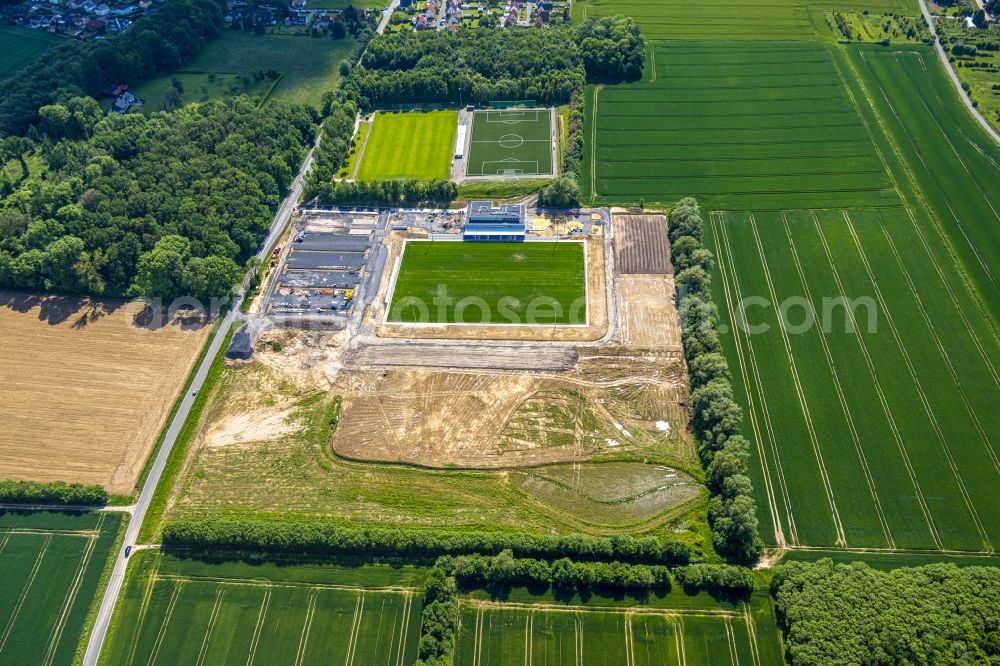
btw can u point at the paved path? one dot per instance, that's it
(954, 77)
(103, 621)
(386, 15)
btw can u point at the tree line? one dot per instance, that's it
(834, 614)
(716, 418)
(323, 538)
(53, 492)
(565, 576)
(393, 192)
(161, 42)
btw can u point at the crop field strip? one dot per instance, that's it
(19, 46)
(508, 634)
(208, 620)
(743, 126)
(734, 20)
(946, 159)
(934, 484)
(51, 568)
(414, 144)
(511, 140)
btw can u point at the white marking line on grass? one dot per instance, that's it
(944, 352)
(731, 639)
(206, 639)
(913, 221)
(752, 634)
(24, 592)
(143, 610)
(803, 403)
(920, 390)
(629, 641)
(255, 641)
(958, 223)
(399, 260)
(753, 383)
(858, 447)
(527, 637)
(163, 627)
(404, 627)
(883, 400)
(352, 643)
(57, 631)
(306, 627)
(969, 172)
(679, 640)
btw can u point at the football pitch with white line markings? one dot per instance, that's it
(511, 142)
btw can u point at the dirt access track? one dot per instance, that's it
(597, 308)
(84, 390)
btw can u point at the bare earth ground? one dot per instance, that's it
(84, 391)
(482, 442)
(597, 306)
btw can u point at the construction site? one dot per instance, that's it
(500, 399)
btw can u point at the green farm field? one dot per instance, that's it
(878, 439)
(19, 46)
(308, 68)
(52, 564)
(518, 140)
(187, 611)
(825, 171)
(536, 283)
(732, 20)
(413, 144)
(741, 126)
(674, 629)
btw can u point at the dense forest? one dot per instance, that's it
(162, 42)
(476, 66)
(164, 205)
(852, 614)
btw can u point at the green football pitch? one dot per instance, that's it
(511, 142)
(501, 283)
(413, 144)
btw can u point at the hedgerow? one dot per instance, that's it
(320, 538)
(54, 492)
(715, 416)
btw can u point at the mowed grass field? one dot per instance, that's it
(734, 20)
(175, 611)
(85, 391)
(51, 564)
(526, 283)
(511, 140)
(413, 144)
(740, 126)
(309, 66)
(676, 630)
(19, 46)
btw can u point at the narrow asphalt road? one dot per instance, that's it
(954, 77)
(113, 589)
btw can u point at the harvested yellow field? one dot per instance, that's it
(84, 389)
